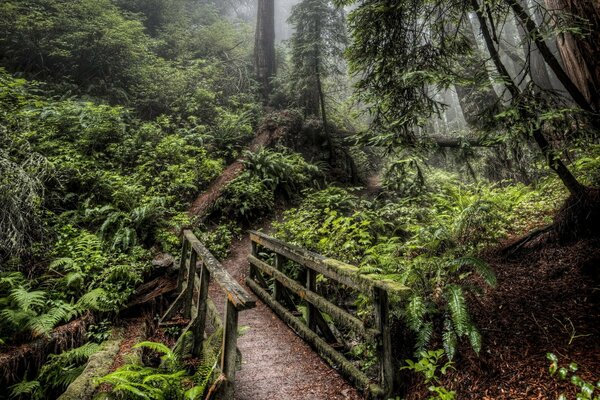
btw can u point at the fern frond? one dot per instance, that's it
(64, 263)
(415, 312)
(450, 342)
(26, 300)
(480, 267)
(93, 300)
(458, 308)
(474, 339)
(11, 280)
(424, 335)
(154, 346)
(32, 389)
(138, 390)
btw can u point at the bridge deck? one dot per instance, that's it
(276, 363)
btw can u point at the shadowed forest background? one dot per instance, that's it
(448, 146)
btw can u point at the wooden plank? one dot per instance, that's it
(343, 273)
(387, 367)
(229, 349)
(360, 379)
(238, 296)
(337, 314)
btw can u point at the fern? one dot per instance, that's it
(424, 335)
(94, 300)
(479, 266)
(449, 340)
(31, 390)
(415, 312)
(458, 309)
(26, 300)
(62, 369)
(474, 339)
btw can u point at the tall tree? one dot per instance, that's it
(264, 46)
(317, 45)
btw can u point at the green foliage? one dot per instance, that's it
(282, 170)
(585, 390)
(29, 312)
(59, 371)
(430, 365)
(62, 369)
(252, 194)
(169, 381)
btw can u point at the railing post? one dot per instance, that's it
(200, 322)
(382, 321)
(182, 267)
(278, 290)
(229, 350)
(254, 251)
(189, 289)
(311, 284)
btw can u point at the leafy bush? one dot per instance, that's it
(245, 198)
(282, 170)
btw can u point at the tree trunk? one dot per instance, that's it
(533, 31)
(478, 103)
(264, 46)
(537, 65)
(581, 56)
(554, 161)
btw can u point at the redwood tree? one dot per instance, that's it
(264, 46)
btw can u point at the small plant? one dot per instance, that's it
(168, 381)
(585, 389)
(431, 365)
(99, 332)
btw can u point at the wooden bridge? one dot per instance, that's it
(270, 261)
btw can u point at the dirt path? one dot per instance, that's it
(276, 363)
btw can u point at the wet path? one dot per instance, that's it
(276, 363)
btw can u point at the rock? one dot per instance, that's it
(163, 260)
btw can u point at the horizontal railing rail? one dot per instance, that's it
(315, 329)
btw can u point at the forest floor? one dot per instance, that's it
(276, 363)
(547, 300)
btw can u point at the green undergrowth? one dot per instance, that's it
(431, 242)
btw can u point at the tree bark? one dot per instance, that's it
(264, 46)
(581, 56)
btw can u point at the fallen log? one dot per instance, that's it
(29, 357)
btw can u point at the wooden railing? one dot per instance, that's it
(315, 329)
(197, 266)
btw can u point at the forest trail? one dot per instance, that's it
(276, 363)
